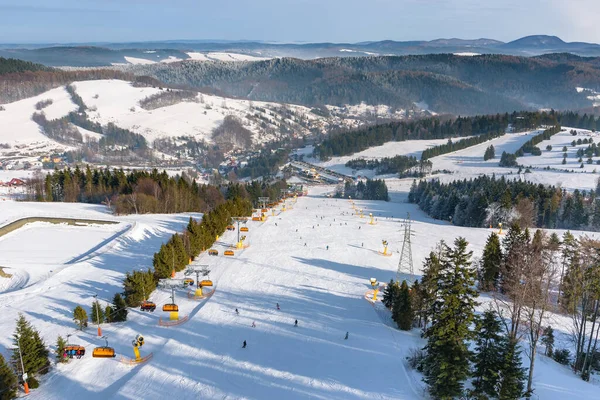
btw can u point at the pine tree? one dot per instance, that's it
(138, 285)
(488, 354)
(512, 374)
(548, 340)
(97, 313)
(33, 350)
(61, 343)
(490, 263)
(120, 308)
(389, 294)
(8, 381)
(80, 317)
(446, 365)
(402, 310)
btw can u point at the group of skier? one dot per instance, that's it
(244, 344)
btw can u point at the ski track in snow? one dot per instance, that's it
(323, 288)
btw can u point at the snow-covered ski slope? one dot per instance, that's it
(321, 284)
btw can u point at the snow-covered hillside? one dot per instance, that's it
(315, 260)
(118, 102)
(20, 136)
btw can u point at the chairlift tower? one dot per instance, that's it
(199, 269)
(172, 308)
(239, 220)
(405, 265)
(262, 201)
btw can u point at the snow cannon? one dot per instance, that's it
(372, 221)
(375, 290)
(137, 343)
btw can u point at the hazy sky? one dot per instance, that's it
(26, 21)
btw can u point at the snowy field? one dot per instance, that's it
(469, 163)
(315, 260)
(391, 149)
(553, 158)
(22, 136)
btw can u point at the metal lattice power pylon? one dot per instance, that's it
(405, 265)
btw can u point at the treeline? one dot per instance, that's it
(266, 164)
(530, 146)
(59, 130)
(461, 144)
(574, 120)
(386, 165)
(12, 66)
(143, 191)
(373, 189)
(346, 143)
(183, 247)
(31, 82)
(115, 137)
(485, 201)
(126, 192)
(167, 98)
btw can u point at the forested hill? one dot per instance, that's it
(345, 143)
(11, 66)
(447, 83)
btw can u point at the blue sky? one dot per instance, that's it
(45, 21)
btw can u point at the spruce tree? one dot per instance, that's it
(490, 263)
(416, 294)
(446, 365)
(429, 283)
(402, 310)
(61, 343)
(8, 381)
(97, 313)
(389, 294)
(512, 375)
(138, 285)
(109, 314)
(80, 317)
(120, 308)
(548, 340)
(33, 350)
(488, 354)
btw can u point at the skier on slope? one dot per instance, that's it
(278, 306)
(244, 345)
(237, 312)
(296, 323)
(253, 324)
(346, 338)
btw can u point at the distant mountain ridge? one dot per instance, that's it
(103, 54)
